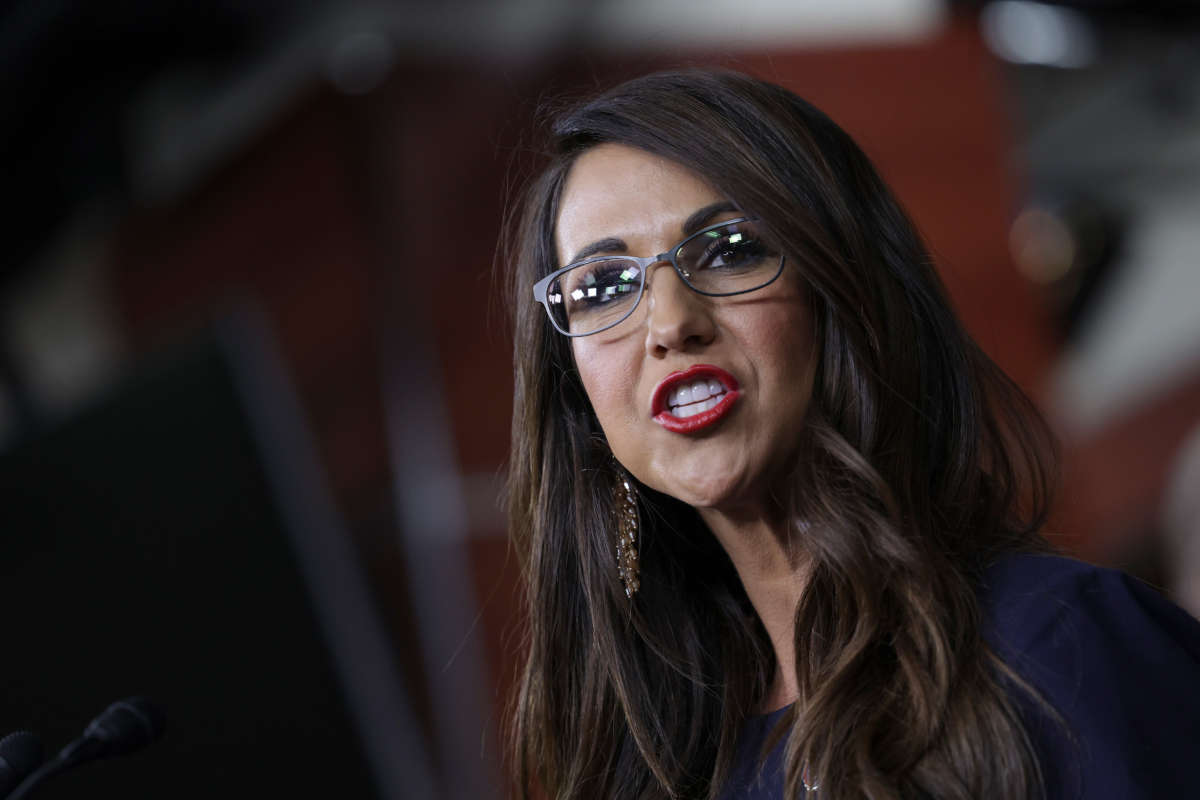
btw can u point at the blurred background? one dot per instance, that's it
(254, 363)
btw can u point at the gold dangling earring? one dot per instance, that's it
(628, 532)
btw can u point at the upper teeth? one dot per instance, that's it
(695, 397)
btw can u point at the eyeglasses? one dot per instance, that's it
(595, 294)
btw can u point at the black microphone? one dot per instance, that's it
(125, 726)
(20, 754)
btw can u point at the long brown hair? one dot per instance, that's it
(921, 463)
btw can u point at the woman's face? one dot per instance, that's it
(753, 352)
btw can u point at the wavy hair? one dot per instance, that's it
(920, 464)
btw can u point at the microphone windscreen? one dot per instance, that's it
(20, 754)
(127, 725)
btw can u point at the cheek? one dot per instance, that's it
(609, 383)
(781, 344)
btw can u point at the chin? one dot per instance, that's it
(711, 495)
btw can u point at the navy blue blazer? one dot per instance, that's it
(1119, 662)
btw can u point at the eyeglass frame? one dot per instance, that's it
(542, 286)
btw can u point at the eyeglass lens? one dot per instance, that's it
(728, 259)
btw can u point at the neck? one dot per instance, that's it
(774, 573)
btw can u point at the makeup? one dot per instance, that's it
(694, 399)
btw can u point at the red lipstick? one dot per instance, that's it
(660, 411)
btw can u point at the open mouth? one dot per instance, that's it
(693, 399)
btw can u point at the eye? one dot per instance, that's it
(599, 283)
(730, 249)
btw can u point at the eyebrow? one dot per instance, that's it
(697, 220)
(700, 218)
(609, 245)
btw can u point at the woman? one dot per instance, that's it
(777, 513)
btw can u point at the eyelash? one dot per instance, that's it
(750, 246)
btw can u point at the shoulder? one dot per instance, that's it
(1035, 601)
(1115, 659)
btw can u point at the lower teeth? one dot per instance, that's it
(692, 409)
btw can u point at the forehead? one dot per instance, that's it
(617, 191)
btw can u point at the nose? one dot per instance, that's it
(677, 318)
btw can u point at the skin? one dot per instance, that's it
(764, 339)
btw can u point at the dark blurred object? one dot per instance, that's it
(1070, 251)
(177, 539)
(72, 70)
